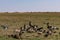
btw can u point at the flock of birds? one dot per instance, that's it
(33, 28)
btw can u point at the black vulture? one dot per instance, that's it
(4, 27)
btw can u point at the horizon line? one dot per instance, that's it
(27, 11)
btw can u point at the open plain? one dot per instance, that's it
(17, 20)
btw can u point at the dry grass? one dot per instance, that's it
(17, 20)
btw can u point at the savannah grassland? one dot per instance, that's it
(17, 20)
